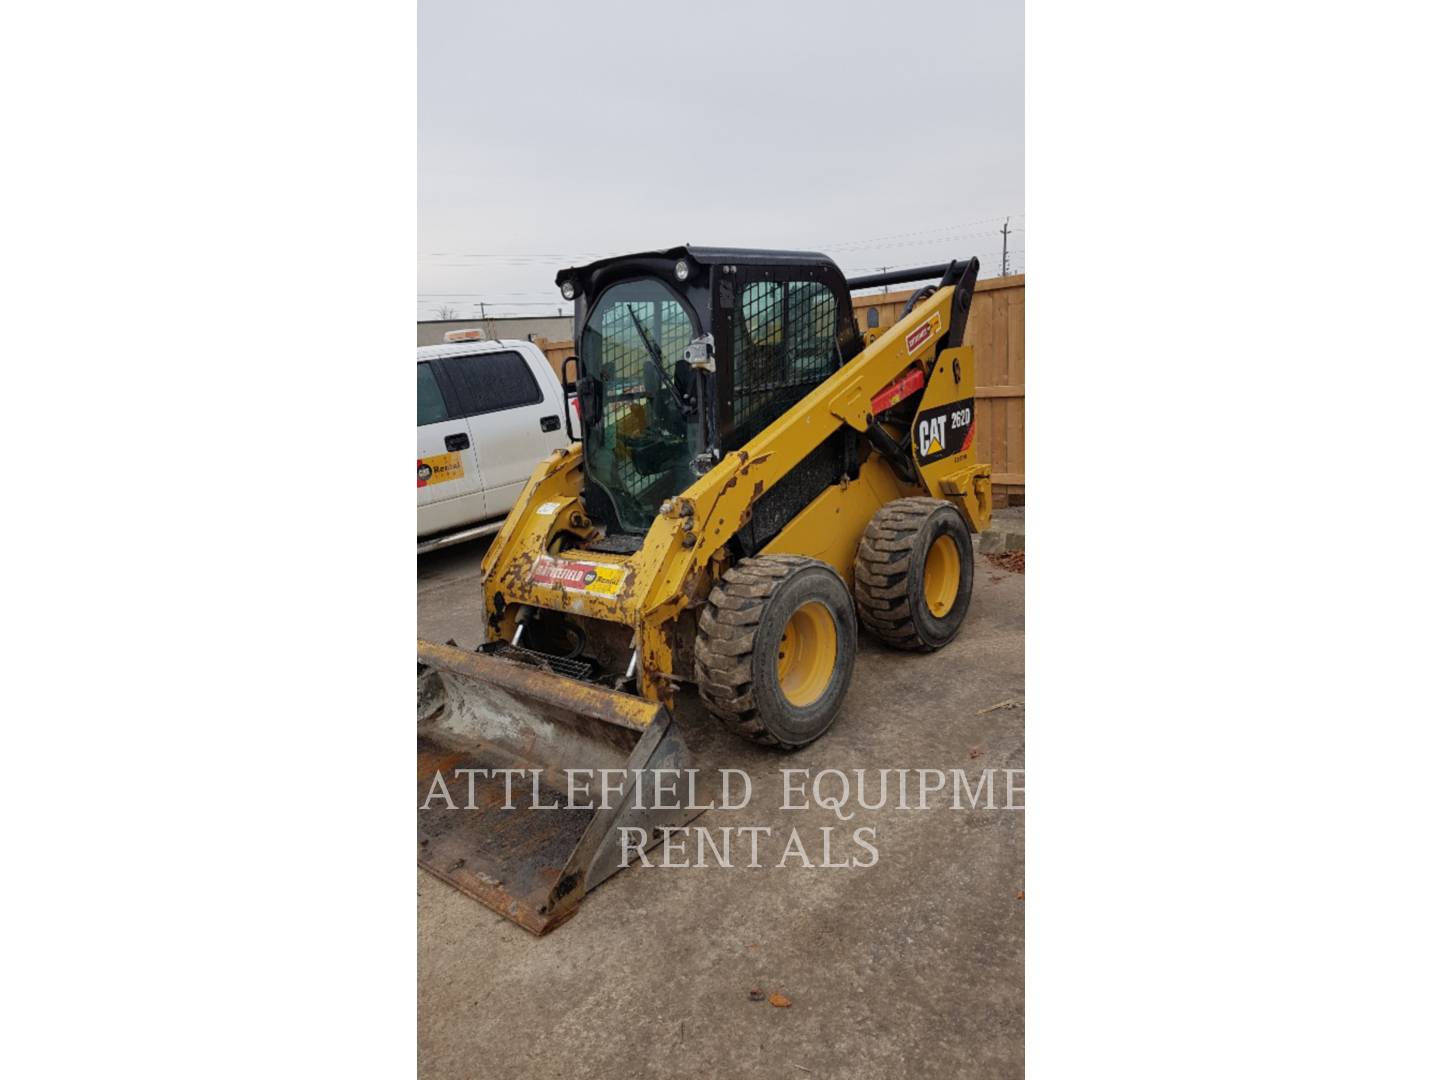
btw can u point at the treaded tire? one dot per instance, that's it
(737, 648)
(890, 573)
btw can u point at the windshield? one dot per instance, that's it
(641, 447)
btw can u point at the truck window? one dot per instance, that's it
(493, 381)
(427, 397)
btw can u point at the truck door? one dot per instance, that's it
(449, 489)
(512, 421)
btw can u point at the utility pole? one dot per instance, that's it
(1005, 249)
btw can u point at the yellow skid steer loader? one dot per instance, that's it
(753, 475)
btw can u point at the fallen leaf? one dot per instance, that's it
(757, 994)
(974, 752)
(1008, 703)
(1020, 895)
(1014, 561)
(780, 1001)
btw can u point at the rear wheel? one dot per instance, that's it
(776, 648)
(913, 573)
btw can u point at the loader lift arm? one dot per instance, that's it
(721, 500)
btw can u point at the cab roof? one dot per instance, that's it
(703, 256)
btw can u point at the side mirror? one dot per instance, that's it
(567, 384)
(588, 392)
(700, 353)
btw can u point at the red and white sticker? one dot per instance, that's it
(601, 579)
(921, 335)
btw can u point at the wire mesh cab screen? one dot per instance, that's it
(783, 344)
(784, 341)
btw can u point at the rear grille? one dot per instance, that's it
(575, 669)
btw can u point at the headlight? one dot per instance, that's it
(567, 290)
(682, 270)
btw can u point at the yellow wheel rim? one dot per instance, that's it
(942, 576)
(807, 654)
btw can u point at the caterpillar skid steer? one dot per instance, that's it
(753, 477)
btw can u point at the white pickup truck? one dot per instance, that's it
(488, 413)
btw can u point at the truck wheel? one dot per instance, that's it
(776, 648)
(913, 574)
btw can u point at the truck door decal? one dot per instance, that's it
(438, 469)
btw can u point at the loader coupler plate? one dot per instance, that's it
(499, 747)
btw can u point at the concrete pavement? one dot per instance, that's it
(913, 966)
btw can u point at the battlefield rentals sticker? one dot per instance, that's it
(918, 337)
(601, 579)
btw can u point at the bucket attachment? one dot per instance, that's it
(530, 863)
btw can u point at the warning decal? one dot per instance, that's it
(943, 431)
(601, 579)
(438, 469)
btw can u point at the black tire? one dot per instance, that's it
(890, 574)
(738, 653)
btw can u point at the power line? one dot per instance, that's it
(918, 232)
(1011, 259)
(1006, 254)
(933, 241)
(505, 303)
(522, 256)
(934, 231)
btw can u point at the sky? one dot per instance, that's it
(553, 133)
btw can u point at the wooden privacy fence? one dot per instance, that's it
(997, 330)
(556, 352)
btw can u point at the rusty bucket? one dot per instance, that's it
(532, 857)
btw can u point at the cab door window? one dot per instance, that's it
(641, 444)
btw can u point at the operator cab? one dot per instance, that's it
(686, 355)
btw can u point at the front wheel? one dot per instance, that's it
(776, 649)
